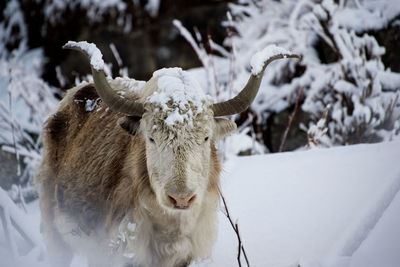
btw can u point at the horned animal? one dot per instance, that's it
(130, 171)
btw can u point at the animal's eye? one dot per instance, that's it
(151, 140)
(206, 139)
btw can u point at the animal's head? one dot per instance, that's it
(179, 125)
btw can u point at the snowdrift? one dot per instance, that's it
(324, 207)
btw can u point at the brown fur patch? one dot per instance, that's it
(55, 133)
(130, 124)
(57, 126)
(129, 191)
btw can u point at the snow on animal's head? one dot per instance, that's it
(178, 126)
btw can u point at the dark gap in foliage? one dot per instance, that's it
(325, 53)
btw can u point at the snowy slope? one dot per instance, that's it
(314, 208)
(381, 248)
(335, 207)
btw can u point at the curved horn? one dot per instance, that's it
(243, 100)
(106, 93)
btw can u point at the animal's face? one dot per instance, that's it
(179, 153)
(179, 130)
(178, 160)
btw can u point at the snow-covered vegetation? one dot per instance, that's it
(345, 91)
(26, 100)
(347, 79)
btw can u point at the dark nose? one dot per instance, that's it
(181, 202)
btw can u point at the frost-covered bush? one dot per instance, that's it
(13, 30)
(96, 10)
(25, 102)
(341, 73)
(25, 99)
(361, 95)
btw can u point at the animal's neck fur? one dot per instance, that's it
(172, 238)
(164, 235)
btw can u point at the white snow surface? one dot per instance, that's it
(335, 207)
(96, 57)
(179, 87)
(322, 207)
(259, 59)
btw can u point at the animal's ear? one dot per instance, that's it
(130, 124)
(223, 127)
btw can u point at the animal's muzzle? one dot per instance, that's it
(182, 201)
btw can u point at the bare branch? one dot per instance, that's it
(239, 243)
(291, 119)
(236, 229)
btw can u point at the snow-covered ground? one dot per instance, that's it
(326, 207)
(336, 207)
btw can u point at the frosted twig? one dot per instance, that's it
(327, 33)
(12, 127)
(22, 151)
(116, 54)
(199, 50)
(246, 123)
(21, 199)
(219, 49)
(316, 132)
(202, 55)
(212, 65)
(236, 229)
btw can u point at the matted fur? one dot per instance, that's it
(94, 178)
